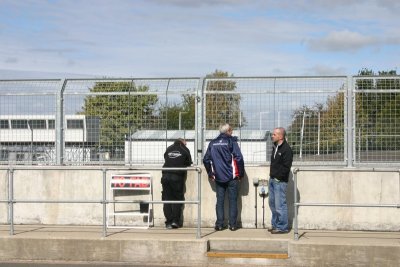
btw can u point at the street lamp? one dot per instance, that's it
(30, 125)
(262, 112)
(319, 130)
(302, 134)
(279, 119)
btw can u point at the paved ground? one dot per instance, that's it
(314, 238)
(96, 232)
(155, 233)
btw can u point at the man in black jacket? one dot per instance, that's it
(173, 181)
(281, 162)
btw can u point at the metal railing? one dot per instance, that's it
(104, 201)
(363, 205)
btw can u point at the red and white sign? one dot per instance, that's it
(131, 181)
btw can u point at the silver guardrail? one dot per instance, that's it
(361, 205)
(104, 201)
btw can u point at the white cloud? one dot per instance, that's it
(325, 70)
(196, 3)
(182, 37)
(342, 41)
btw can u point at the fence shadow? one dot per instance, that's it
(290, 199)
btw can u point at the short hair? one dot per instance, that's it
(181, 140)
(282, 130)
(224, 128)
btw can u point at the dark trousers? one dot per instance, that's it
(232, 187)
(173, 186)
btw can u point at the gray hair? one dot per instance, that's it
(224, 128)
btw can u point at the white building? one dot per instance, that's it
(148, 146)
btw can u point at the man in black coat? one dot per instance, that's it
(281, 162)
(173, 181)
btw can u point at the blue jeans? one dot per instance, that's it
(232, 188)
(278, 205)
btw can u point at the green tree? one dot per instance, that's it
(376, 111)
(120, 109)
(332, 123)
(376, 115)
(221, 107)
(187, 110)
(329, 117)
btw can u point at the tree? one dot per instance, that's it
(309, 143)
(221, 107)
(120, 112)
(376, 112)
(187, 110)
(376, 115)
(332, 123)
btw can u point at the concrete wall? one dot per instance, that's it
(313, 187)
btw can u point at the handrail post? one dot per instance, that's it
(104, 202)
(296, 226)
(199, 202)
(11, 199)
(398, 203)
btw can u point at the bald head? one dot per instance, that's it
(278, 135)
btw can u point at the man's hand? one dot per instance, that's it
(211, 177)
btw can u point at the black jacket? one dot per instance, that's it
(177, 155)
(281, 161)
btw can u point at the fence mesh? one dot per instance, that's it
(132, 121)
(27, 121)
(310, 109)
(377, 116)
(126, 121)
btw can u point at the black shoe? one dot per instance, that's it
(168, 226)
(271, 229)
(219, 228)
(233, 228)
(277, 231)
(174, 225)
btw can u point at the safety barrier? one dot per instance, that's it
(11, 201)
(298, 204)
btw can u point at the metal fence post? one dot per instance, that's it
(199, 126)
(349, 126)
(60, 124)
(199, 203)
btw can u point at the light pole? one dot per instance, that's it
(279, 119)
(31, 129)
(302, 135)
(319, 130)
(180, 119)
(262, 112)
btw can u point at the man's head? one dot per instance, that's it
(225, 129)
(278, 135)
(181, 140)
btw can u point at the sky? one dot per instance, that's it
(192, 38)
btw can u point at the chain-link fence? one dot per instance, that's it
(377, 117)
(27, 121)
(132, 121)
(311, 109)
